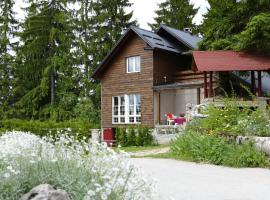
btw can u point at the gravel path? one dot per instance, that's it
(182, 180)
(150, 152)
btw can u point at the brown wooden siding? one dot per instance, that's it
(115, 81)
(168, 65)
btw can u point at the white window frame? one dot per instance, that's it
(135, 60)
(126, 114)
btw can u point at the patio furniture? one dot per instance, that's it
(180, 120)
(170, 118)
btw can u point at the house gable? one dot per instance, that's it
(115, 80)
(153, 40)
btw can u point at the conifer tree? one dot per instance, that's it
(8, 26)
(83, 28)
(45, 77)
(109, 22)
(175, 13)
(226, 19)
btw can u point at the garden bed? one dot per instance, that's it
(84, 171)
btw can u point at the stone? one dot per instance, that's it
(45, 192)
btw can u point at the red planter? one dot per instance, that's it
(108, 136)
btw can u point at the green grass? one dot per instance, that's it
(216, 150)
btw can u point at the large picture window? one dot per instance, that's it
(133, 64)
(126, 109)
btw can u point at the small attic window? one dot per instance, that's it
(133, 64)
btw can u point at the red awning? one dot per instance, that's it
(229, 61)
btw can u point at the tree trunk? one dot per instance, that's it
(52, 88)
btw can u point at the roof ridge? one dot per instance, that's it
(132, 26)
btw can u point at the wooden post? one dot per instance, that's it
(158, 107)
(253, 83)
(205, 84)
(259, 84)
(198, 96)
(211, 85)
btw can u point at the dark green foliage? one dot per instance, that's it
(46, 81)
(134, 136)
(58, 48)
(131, 136)
(217, 150)
(237, 25)
(109, 22)
(77, 128)
(8, 25)
(256, 36)
(175, 13)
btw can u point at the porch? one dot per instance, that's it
(200, 85)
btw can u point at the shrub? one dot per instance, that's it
(217, 150)
(134, 136)
(231, 120)
(79, 129)
(85, 171)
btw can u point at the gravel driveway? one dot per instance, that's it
(182, 180)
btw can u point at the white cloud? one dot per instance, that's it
(144, 10)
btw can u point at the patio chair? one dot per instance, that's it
(170, 118)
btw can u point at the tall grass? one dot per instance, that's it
(217, 150)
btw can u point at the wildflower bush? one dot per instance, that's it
(85, 171)
(217, 150)
(44, 128)
(134, 136)
(231, 120)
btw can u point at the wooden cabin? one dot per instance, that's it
(149, 74)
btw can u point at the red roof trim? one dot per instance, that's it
(229, 61)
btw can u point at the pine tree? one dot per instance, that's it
(45, 78)
(8, 26)
(175, 13)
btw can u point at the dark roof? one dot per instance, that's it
(183, 36)
(155, 41)
(229, 61)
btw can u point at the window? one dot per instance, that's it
(133, 64)
(126, 109)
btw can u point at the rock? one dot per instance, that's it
(45, 192)
(261, 143)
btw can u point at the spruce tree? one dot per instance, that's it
(83, 29)
(8, 26)
(227, 18)
(175, 13)
(46, 85)
(108, 21)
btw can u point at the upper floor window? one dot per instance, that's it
(133, 64)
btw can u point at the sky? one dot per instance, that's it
(144, 10)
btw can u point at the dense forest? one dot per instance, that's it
(47, 58)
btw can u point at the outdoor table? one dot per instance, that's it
(180, 120)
